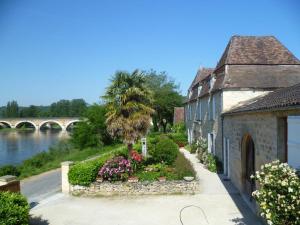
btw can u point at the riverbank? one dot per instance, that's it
(46, 161)
(16, 129)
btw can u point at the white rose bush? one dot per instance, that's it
(278, 195)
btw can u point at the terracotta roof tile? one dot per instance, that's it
(256, 50)
(201, 75)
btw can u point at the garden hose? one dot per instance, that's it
(198, 207)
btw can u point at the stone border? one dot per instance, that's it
(137, 188)
(127, 188)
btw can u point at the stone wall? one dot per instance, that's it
(233, 97)
(224, 100)
(263, 128)
(137, 188)
(9, 183)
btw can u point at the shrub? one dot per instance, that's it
(153, 172)
(9, 170)
(14, 209)
(138, 147)
(278, 195)
(202, 144)
(91, 132)
(211, 163)
(85, 173)
(193, 147)
(116, 169)
(165, 151)
(179, 128)
(209, 160)
(179, 138)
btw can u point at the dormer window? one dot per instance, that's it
(190, 94)
(199, 89)
(211, 82)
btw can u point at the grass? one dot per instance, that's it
(188, 147)
(52, 159)
(28, 169)
(15, 129)
(183, 167)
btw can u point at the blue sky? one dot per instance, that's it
(64, 49)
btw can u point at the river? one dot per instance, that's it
(16, 146)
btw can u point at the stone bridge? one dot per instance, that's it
(38, 123)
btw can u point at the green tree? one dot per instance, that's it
(65, 108)
(78, 107)
(31, 111)
(128, 101)
(60, 108)
(12, 109)
(92, 131)
(166, 96)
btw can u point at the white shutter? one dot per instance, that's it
(209, 142)
(294, 142)
(213, 108)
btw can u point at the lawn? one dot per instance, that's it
(52, 159)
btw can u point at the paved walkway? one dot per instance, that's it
(217, 204)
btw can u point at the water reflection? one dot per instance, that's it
(15, 146)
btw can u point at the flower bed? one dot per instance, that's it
(159, 174)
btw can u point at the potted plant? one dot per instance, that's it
(133, 179)
(162, 179)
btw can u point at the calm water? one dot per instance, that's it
(16, 146)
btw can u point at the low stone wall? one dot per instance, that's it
(138, 188)
(9, 183)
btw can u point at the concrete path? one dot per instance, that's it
(218, 204)
(41, 186)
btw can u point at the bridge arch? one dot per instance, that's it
(51, 121)
(72, 122)
(6, 123)
(26, 121)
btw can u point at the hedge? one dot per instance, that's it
(84, 173)
(14, 209)
(179, 138)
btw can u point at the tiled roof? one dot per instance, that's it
(201, 74)
(280, 99)
(256, 50)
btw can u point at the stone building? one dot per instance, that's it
(259, 131)
(250, 66)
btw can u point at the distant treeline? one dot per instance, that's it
(62, 108)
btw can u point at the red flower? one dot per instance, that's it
(136, 156)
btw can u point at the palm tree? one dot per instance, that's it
(129, 110)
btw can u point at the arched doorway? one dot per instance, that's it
(248, 165)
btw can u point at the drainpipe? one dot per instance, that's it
(222, 130)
